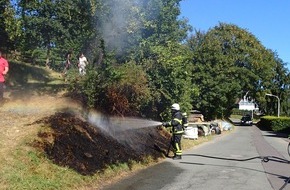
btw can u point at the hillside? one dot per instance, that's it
(42, 129)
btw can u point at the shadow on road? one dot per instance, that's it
(277, 135)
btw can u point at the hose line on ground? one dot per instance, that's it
(263, 158)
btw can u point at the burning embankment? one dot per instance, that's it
(72, 142)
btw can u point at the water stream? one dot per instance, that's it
(119, 124)
(120, 128)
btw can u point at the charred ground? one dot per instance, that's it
(68, 140)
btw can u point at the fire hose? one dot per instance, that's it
(263, 158)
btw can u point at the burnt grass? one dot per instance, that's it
(70, 141)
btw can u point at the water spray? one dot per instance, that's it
(119, 127)
(119, 124)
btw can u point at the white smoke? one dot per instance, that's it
(124, 20)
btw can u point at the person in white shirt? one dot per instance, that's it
(83, 62)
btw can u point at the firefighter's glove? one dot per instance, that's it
(159, 127)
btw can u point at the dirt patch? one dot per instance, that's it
(70, 141)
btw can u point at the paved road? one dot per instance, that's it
(212, 166)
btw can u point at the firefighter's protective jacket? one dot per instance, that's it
(176, 123)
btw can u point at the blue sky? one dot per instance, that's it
(268, 20)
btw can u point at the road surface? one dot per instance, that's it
(215, 166)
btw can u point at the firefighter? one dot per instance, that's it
(177, 130)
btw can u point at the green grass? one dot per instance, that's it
(38, 79)
(32, 170)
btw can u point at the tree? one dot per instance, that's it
(56, 25)
(77, 28)
(286, 99)
(279, 87)
(129, 28)
(227, 62)
(3, 33)
(10, 26)
(169, 78)
(162, 23)
(39, 24)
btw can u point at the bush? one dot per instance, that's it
(116, 90)
(276, 124)
(128, 93)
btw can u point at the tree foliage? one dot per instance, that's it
(55, 26)
(280, 87)
(9, 31)
(169, 77)
(228, 62)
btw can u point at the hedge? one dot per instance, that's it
(276, 124)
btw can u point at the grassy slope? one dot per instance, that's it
(38, 80)
(32, 93)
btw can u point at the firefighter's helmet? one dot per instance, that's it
(175, 107)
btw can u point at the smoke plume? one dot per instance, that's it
(124, 21)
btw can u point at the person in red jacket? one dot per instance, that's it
(4, 67)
